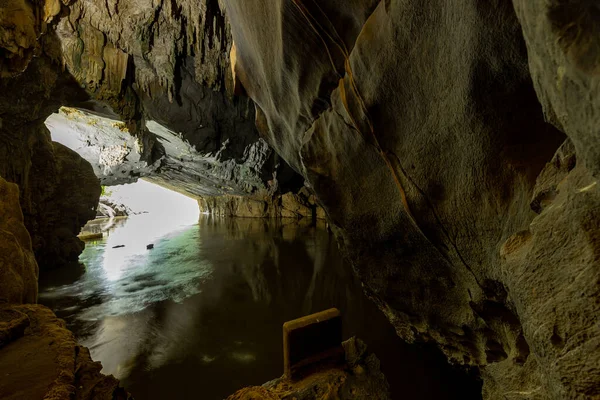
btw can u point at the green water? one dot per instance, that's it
(199, 316)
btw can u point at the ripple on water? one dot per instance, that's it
(127, 280)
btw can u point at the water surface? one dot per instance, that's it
(200, 315)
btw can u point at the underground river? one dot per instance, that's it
(200, 314)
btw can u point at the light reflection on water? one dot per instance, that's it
(200, 315)
(130, 278)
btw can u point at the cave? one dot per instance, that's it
(427, 169)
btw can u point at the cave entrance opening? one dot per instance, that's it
(154, 210)
(170, 297)
(132, 214)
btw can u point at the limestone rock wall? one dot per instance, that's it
(563, 49)
(62, 205)
(423, 129)
(57, 191)
(18, 268)
(289, 205)
(21, 24)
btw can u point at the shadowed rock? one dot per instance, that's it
(44, 361)
(18, 269)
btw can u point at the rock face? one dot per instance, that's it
(104, 142)
(58, 191)
(288, 205)
(21, 24)
(162, 68)
(552, 270)
(563, 46)
(422, 132)
(44, 362)
(107, 208)
(64, 205)
(360, 379)
(117, 158)
(18, 269)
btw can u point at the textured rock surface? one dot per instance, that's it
(18, 269)
(117, 158)
(257, 172)
(105, 143)
(63, 205)
(359, 378)
(288, 205)
(551, 269)
(44, 362)
(108, 208)
(563, 43)
(21, 24)
(163, 69)
(54, 206)
(421, 131)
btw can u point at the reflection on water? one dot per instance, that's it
(200, 315)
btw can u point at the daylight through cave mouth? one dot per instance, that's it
(168, 293)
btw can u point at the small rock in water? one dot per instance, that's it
(119, 246)
(150, 246)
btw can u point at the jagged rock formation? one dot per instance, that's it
(44, 362)
(359, 379)
(420, 129)
(563, 47)
(58, 193)
(18, 269)
(163, 68)
(117, 158)
(105, 143)
(22, 24)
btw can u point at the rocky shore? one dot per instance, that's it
(40, 359)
